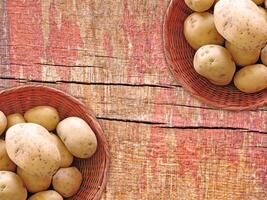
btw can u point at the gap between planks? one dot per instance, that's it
(22, 80)
(165, 126)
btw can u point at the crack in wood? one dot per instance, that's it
(199, 107)
(215, 128)
(83, 83)
(70, 66)
(22, 80)
(261, 147)
(56, 65)
(163, 126)
(130, 121)
(182, 105)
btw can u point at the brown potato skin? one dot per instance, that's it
(34, 183)
(66, 157)
(246, 31)
(78, 137)
(199, 5)
(263, 12)
(67, 181)
(45, 116)
(14, 119)
(3, 122)
(30, 147)
(215, 63)
(258, 2)
(6, 164)
(243, 57)
(13, 187)
(251, 79)
(264, 55)
(46, 195)
(200, 30)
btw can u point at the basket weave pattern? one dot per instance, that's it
(179, 56)
(94, 169)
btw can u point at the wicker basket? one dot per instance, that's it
(94, 169)
(180, 55)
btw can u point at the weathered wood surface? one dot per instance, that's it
(165, 144)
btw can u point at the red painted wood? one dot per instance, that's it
(164, 143)
(26, 44)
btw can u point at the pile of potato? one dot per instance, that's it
(35, 162)
(230, 41)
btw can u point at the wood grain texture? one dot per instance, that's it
(164, 143)
(3, 38)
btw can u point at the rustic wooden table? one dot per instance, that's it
(164, 143)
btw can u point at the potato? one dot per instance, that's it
(65, 155)
(15, 118)
(67, 181)
(199, 5)
(34, 183)
(252, 78)
(45, 116)
(263, 12)
(46, 195)
(30, 147)
(199, 30)
(264, 55)
(241, 23)
(215, 63)
(241, 56)
(78, 137)
(258, 2)
(11, 187)
(3, 122)
(6, 163)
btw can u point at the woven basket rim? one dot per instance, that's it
(88, 111)
(169, 61)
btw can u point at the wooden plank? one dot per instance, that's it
(102, 55)
(125, 60)
(164, 162)
(185, 164)
(146, 105)
(3, 38)
(164, 143)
